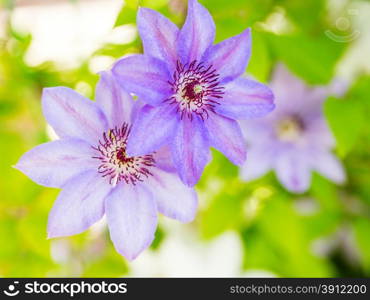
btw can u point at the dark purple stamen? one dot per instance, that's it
(114, 162)
(196, 90)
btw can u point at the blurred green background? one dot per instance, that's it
(242, 229)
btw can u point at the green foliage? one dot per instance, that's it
(313, 59)
(287, 240)
(127, 15)
(361, 228)
(346, 118)
(308, 14)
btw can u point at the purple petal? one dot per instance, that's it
(293, 171)
(137, 107)
(174, 199)
(328, 166)
(300, 98)
(338, 87)
(53, 164)
(318, 132)
(145, 76)
(72, 115)
(151, 129)
(163, 159)
(259, 132)
(287, 99)
(225, 135)
(79, 205)
(230, 57)
(259, 162)
(159, 36)
(113, 100)
(244, 99)
(190, 150)
(132, 219)
(197, 34)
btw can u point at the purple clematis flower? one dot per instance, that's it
(193, 90)
(295, 139)
(89, 163)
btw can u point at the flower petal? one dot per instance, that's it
(53, 164)
(72, 115)
(159, 36)
(230, 57)
(79, 205)
(163, 159)
(190, 150)
(113, 100)
(288, 99)
(259, 132)
(226, 136)
(319, 133)
(174, 199)
(258, 163)
(293, 171)
(329, 166)
(132, 219)
(244, 99)
(145, 76)
(151, 129)
(197, 34)
(137, 107)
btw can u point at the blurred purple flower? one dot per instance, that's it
(295, 139)
(97, 178)
(193, 90)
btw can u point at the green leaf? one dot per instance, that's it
(285, 237)
(127, 15)
(225, 212)
(260, 62)
(312, 59)
(346, 118)
(361, 229)
(305, 14)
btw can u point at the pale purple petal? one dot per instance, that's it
(328, 166)
(72, 115)
(283, 77)
(338, 87)
(293, 171)
(145, 76)
(311, 105)
(225, 135)
(137, 107)
(230, 57)
(290, 91)
(259, 162)
(245, 99)
(113, 100)
(174, 199)
(319, 134)
(53, 164)
(163, 159)
(292, 95)
(259, 132)
(197, 34)
(79, 205)
(159, 36)
(132, 219)
(151, 129)
(190, 150)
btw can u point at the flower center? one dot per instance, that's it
(289, 129)
(114, 162)
(196, 90)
